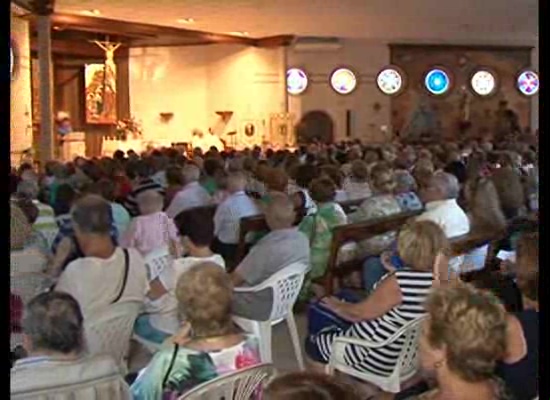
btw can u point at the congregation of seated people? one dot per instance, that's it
(147, 254)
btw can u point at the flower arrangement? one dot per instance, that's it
(128, 127)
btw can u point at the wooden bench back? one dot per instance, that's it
(257, 223)
(357, 232)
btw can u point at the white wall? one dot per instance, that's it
(20, 94)
(164, 80)
(366, 59)
(195, 82)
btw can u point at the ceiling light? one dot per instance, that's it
(186, 20)
(240, 33)
(91, 12)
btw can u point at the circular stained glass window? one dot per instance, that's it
(483, 83)
(343, 81)
(437, 82)
(389, 81)
(528, 83)
(296, 81)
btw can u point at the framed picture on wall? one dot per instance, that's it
(100, 92)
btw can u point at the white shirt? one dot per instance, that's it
(228, 216)
(192, 195)
(452, 219)
(184, 264)
(95, 282)
(448, 215)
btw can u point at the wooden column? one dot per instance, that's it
(47, 137)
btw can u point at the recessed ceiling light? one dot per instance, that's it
(91, 12)
(186, 20)
(240, 33)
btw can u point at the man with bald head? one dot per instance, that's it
(283, 246)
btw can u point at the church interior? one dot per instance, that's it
(269, 75)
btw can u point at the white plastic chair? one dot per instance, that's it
(109, 331)
(405, 367)
(243, 384)
(157, 260)
(286, 285)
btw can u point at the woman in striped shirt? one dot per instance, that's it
(397, 299)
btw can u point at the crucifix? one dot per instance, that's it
(108, 67)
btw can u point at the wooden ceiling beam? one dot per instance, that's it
(107, 32)
(124, 28)
(84, 49)
(275, 41)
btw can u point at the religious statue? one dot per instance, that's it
(101, 88)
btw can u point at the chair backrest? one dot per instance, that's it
(406, 364)
(28, 284)
(244, 384)
(357, 232)
(109, 331)
(257, 224)
(90, 378)
(408, 357)
(286, 285)
(156, 261)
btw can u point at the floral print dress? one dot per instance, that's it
(191, 368)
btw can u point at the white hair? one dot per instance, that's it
(149, 202)
(447, 183)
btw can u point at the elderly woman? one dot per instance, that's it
(27, 261)
(397, 299)
(356, 185)
(519, 367)
(207, 346)
(461, 342)
(57, 364)
(308, 385)
(382, 204)
(318, 228)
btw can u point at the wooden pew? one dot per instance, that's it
(258, 224)
(356, 232)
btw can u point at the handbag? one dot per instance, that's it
(321, 318)
(125, 278)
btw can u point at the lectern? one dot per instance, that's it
(73, 145)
